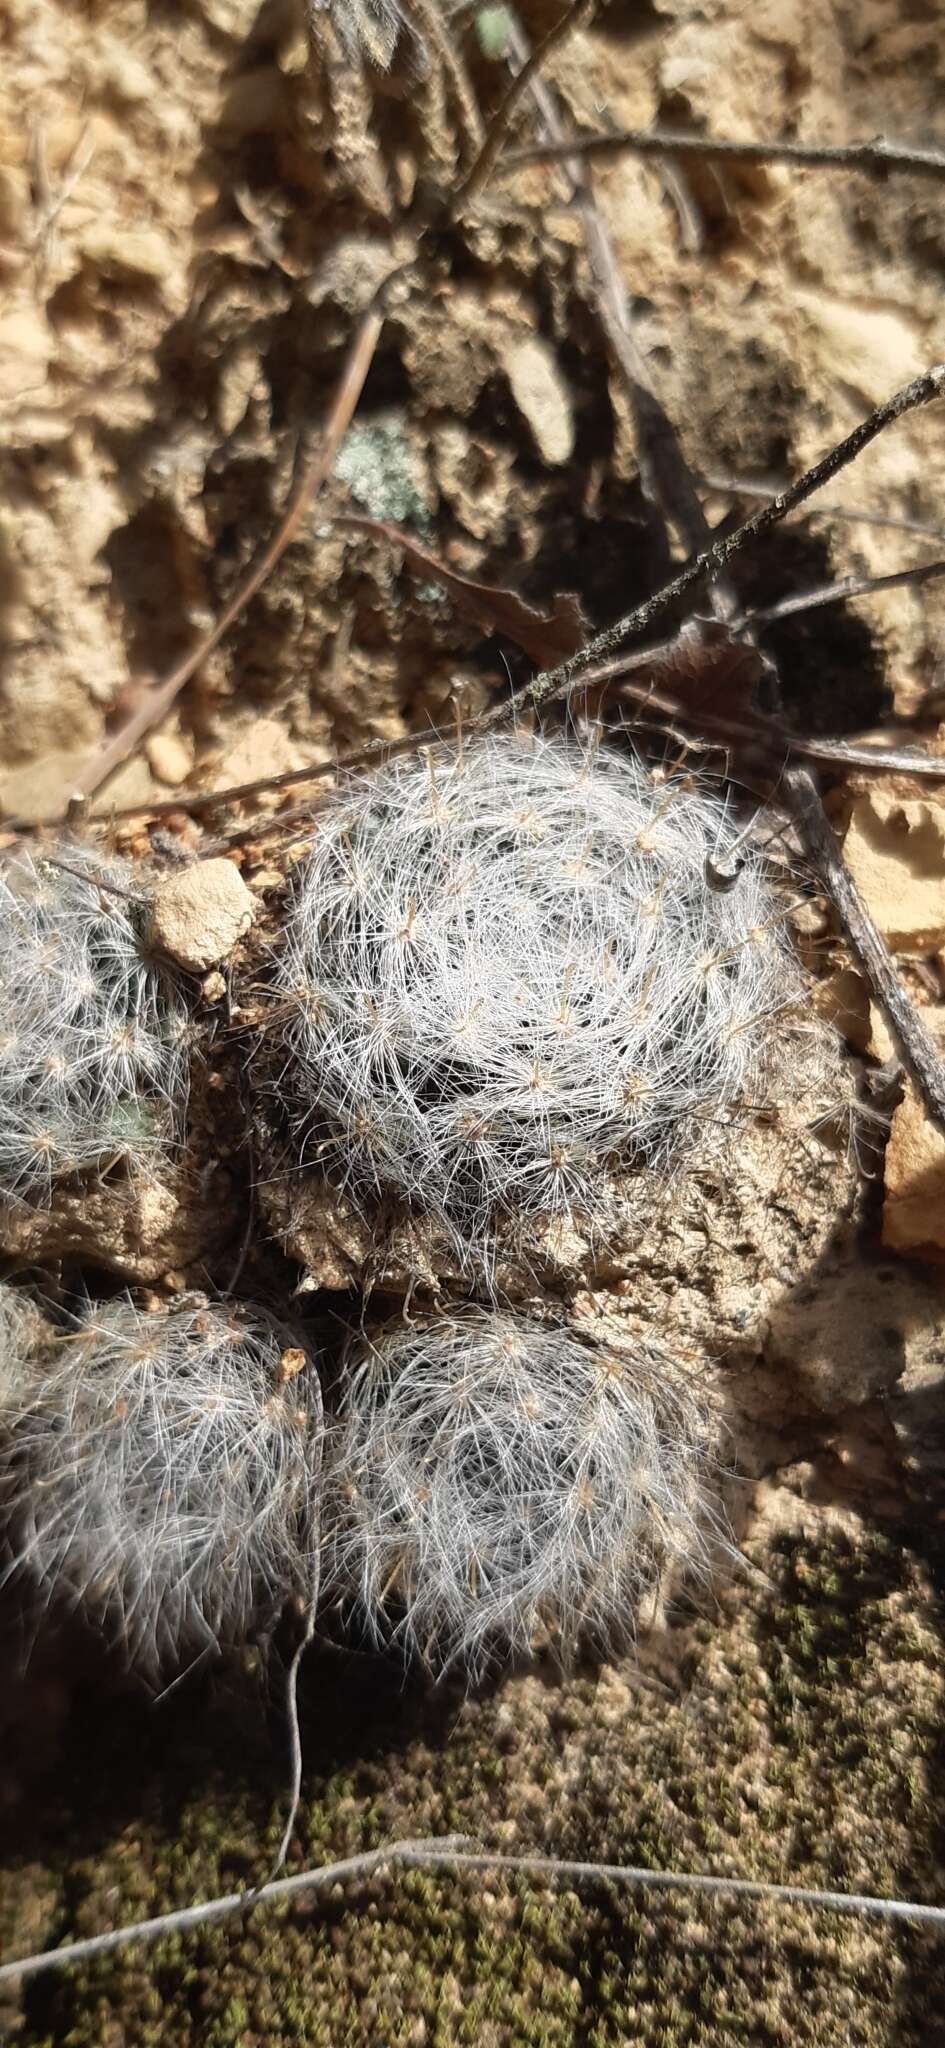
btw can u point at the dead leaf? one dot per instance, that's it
(546, 638)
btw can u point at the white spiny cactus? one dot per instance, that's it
(21, 1330)
(497, 1483)
(505, 972)
(93, 1032)
(367, 28)
(163, 1476)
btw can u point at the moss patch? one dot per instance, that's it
(799, 1738)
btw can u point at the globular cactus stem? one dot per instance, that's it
(163, 1476)
(497, 1483)
(93, 1031)
(505, 972)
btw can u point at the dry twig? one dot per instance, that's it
(875, 157)
(453, 1855)
(840, 592)
(852, 515)
(482, 169)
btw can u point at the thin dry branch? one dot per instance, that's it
(714, 558)
(664, 473)
(429, 19)
(852, 515)
(768, 735)
(920, 1055)
(451, 1856)
(485, 163)
(875, 157)
(839, 592)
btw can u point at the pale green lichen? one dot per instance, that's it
(494, 28)
(380, 466)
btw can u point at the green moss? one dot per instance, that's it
(802, 1743)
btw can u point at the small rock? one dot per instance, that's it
(844, 1000)
(142, 252)
(198, 915)
(169, 758)
(540, 392)
(914, 1208)
(263, 748)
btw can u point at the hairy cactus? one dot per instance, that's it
(93, 1034)
(21, 1329)
(368, 28)
(163, 1476)
(497, 1483)
(505, 972)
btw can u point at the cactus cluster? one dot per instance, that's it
(93, 1032)
(503, 976)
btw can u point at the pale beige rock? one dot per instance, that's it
(263, 748)
(169, 758)
(540, 392)
(873, 348)
(198, 915)
(26, 346)
(895, 851)
(914, 1208)
(880, 1044)
(132, 783)
(33, 788)
(143, 251)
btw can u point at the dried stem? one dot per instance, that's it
(875, 157)
(747, 487)
(838, 593)
(428, 17)
(452, 1854)
(482, 169)
(664, 473)
(920, 1056)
